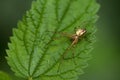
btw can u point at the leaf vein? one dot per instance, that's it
(66, 11)
(77, 19)
(42, 12)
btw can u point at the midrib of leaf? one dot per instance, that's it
(59, 22)
(33, 71)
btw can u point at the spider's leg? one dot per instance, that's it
(64, 34)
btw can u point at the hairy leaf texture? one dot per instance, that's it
(37, 46)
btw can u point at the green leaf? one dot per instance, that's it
(4, 76)
(37, 47)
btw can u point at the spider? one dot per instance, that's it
(75, 38)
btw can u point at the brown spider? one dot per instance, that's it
(75, 37)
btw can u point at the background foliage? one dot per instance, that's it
(105, 60)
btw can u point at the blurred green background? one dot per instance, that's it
(105, 64)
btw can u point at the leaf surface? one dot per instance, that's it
(37, 46)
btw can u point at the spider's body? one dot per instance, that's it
(75, 37)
